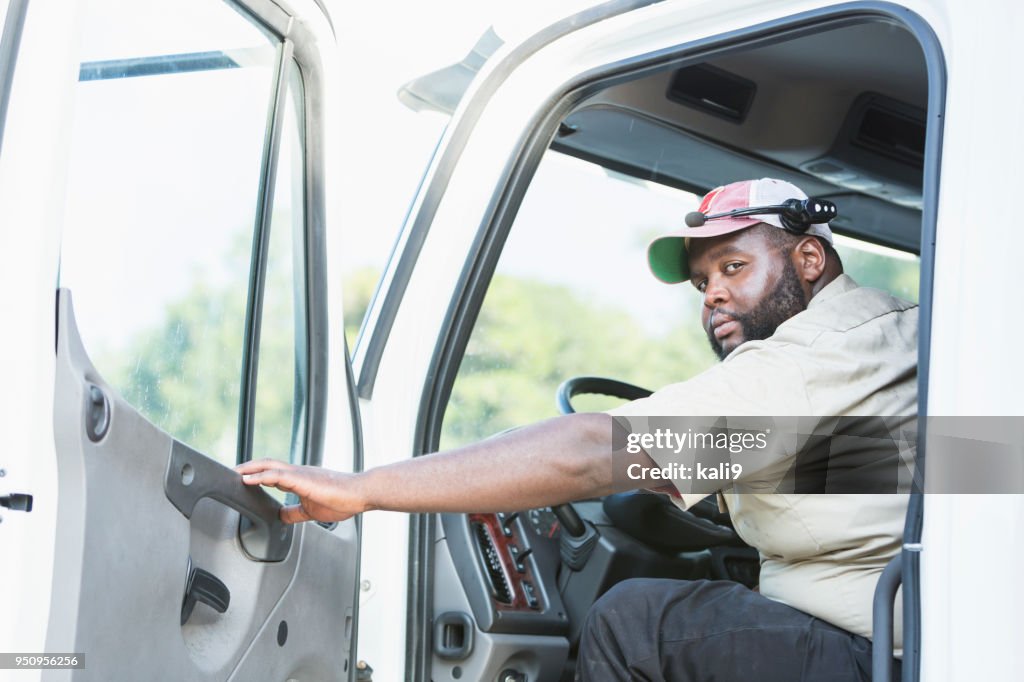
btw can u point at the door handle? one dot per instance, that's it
(191, 476)
(203, 586)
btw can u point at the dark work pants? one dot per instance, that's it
(704, 631)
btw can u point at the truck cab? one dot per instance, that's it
(179, 296)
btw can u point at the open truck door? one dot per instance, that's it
(185, 181)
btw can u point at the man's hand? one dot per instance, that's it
(324, 495)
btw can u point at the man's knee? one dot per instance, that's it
(622, 593)
(622, 608)
(623, 597)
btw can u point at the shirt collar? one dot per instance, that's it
(840, 285)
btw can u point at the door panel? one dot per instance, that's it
(124, 551)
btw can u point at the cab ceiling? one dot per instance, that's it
(805, 88)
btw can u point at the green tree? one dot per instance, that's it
(530, 336)
(899, 276)
(184, 375)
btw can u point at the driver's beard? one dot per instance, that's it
(781, 303)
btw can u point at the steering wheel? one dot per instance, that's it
(651, 518)
(575, 386)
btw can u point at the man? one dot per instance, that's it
(797, 337)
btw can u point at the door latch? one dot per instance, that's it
(17, 502)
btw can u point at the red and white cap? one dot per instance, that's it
(667, 254)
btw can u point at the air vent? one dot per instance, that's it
(500, 589)
(892, 130)
(713, 91)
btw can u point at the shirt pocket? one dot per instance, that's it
(774, 524)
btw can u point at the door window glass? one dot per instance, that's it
(572, 295)
(164, 177)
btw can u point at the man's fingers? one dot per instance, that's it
(277, 478)
(294, 513)
(257, 465)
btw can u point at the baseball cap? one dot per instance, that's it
(667, 254)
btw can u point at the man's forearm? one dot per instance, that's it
(555, 461)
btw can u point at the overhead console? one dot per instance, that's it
(879, 151)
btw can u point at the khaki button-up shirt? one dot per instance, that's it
(852, 352)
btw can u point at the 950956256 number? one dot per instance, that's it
(34, 661)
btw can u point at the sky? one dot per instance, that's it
(193, 207)
(146, 212)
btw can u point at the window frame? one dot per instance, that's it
(260, 258)
(299, 47)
